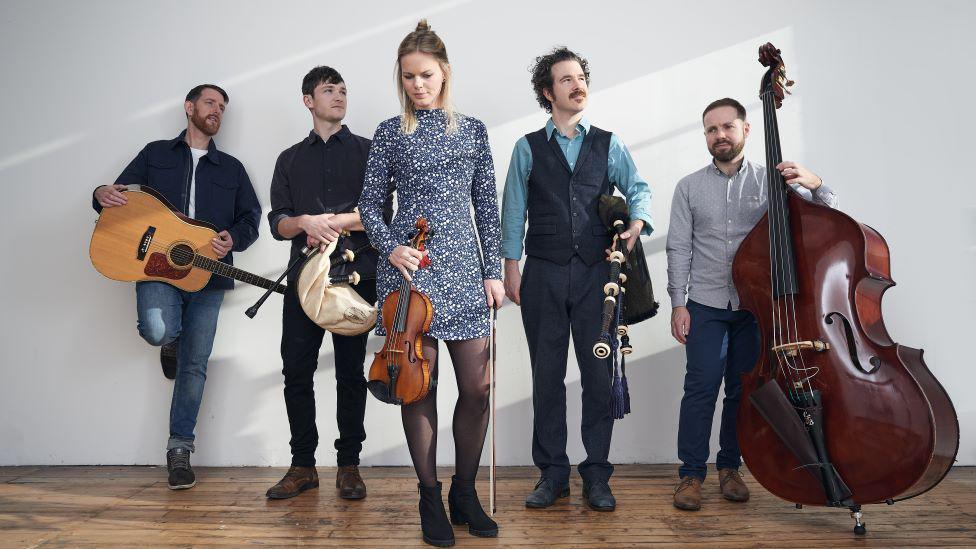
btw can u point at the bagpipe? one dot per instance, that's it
(628, 299)
(328, 297)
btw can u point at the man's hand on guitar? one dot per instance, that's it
(222, 244)
(110, 195)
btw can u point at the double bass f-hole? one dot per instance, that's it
(853, 349)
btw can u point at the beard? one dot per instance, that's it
(204, 125)
(728, 155)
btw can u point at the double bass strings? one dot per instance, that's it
(801, 374)
(806, 371)
(772, 208)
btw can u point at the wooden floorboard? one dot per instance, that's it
(132, 507)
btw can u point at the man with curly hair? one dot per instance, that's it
(555, 180)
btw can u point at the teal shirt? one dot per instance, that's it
(620, 169)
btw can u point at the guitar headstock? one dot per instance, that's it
(775, 80)
(419, 240)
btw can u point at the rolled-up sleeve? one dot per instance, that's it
(623, 174)
(281, 201)
(514, 200)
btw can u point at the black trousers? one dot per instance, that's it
(300, 342)
(558, 300)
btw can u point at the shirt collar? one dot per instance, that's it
(582, 127)
(714, 169)
(211, 148)
(342, 135)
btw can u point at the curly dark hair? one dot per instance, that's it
(542, 72)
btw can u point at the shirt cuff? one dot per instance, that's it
(646, 218)
(679, 298)
(274, 227)
(511, 250)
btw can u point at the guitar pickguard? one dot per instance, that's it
(159, 267)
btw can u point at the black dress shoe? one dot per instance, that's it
(167, 358)
(545, 493)
(598, 496)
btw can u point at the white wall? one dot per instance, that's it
(879, 110)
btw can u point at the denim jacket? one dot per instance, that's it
(224, 195)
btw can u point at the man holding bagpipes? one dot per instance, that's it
(555, 181)
(315, 187)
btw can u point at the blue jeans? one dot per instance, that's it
(722, 343)
(166, 313)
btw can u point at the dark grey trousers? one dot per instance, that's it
(558, 300)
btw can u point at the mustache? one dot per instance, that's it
(577, 93)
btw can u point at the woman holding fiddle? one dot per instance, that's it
(439, 163)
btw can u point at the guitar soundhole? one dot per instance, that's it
(181, 255)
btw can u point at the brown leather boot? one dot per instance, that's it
(687, 495)
(295, 481)
(349, 483)
(733, 487)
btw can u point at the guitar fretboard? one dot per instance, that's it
(230, 271)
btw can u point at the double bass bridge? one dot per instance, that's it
(794, 348)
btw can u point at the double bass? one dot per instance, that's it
(834, 413)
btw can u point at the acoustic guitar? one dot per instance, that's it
(148, 239)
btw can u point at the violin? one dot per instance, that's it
(400, 374)
(834, 413)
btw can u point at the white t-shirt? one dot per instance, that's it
(197, 154)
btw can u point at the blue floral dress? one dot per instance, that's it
(438, 176)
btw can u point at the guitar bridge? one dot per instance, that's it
(144, 243)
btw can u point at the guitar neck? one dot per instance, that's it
(223, 269)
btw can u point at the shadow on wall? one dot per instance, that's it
(653, 390)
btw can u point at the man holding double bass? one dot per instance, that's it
(315, 187)
(712, 212)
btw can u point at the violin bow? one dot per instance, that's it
(491, 396)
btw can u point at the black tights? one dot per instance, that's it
(470, 358)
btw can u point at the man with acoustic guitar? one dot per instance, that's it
(712, 212)
(206, 184)
(315, 187)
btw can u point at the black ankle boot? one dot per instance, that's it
(433, 519)
(466, 509)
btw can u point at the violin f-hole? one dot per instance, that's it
(859, 362)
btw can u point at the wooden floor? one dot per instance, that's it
(131, 506)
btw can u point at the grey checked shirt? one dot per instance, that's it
(711, 214)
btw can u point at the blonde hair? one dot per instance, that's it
(424, 40)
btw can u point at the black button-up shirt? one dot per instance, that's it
(313, 177)
(224, 195)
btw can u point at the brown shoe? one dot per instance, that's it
(295, 481)
(687, 495)
(733, 487)
(349, 483)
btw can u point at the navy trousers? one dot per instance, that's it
(722, 344)
(558, 300)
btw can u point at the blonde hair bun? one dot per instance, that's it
(422, 26)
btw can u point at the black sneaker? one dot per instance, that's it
(181, 474)
(167, 358)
